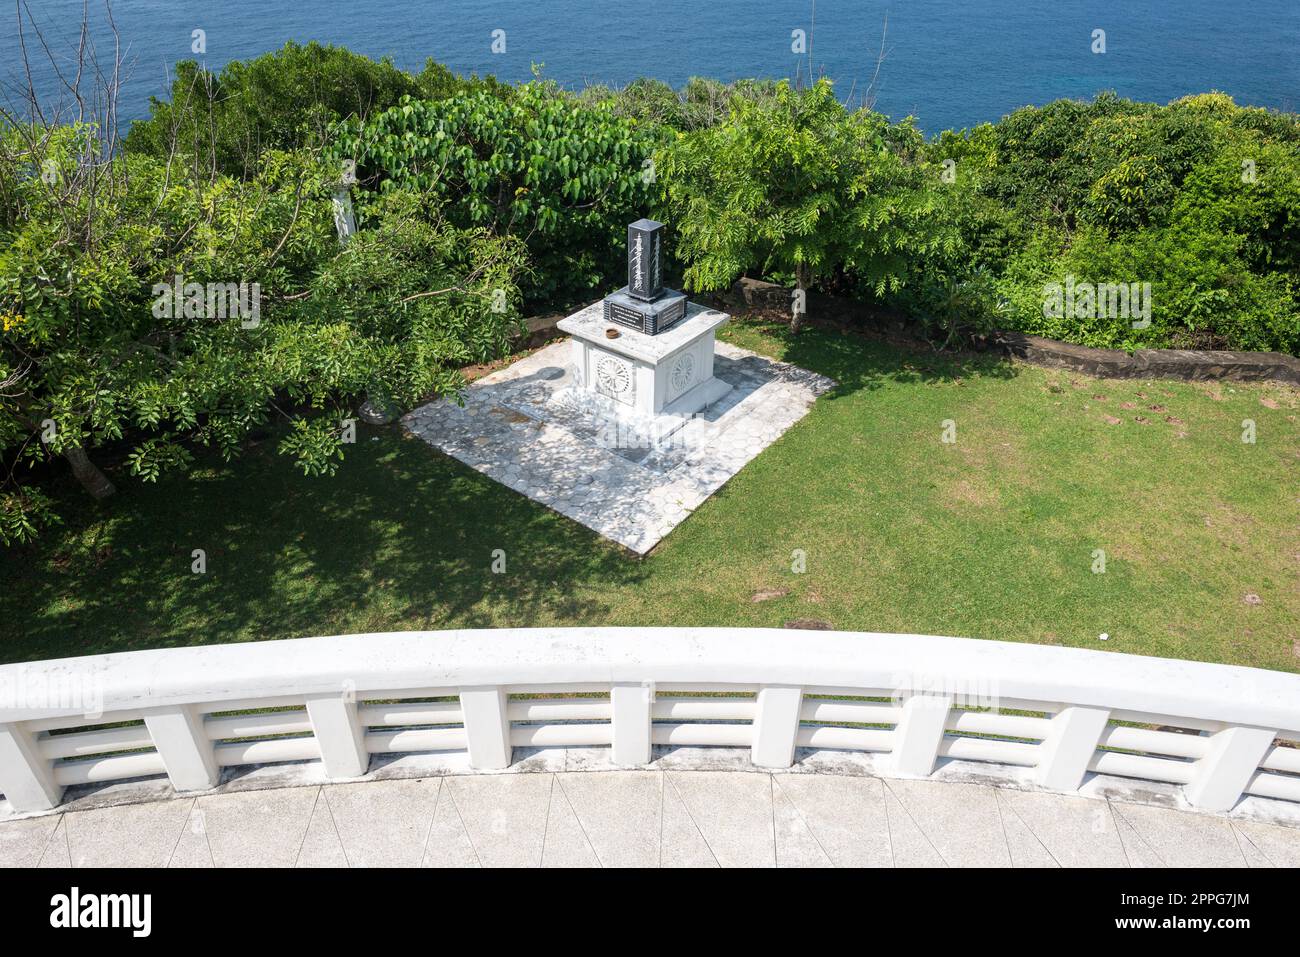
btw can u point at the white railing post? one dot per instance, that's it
(187, 754)
(487, 729)
(26, 776)
(919, 734)
(776, 724)
(1229, 764)
(630, 712)
(1069, 746)
(342, 740)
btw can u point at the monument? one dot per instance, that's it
(644, 352)
(633, 422)
(644, 304)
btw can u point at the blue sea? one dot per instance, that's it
(948, 63)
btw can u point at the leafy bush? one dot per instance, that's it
(794, 183)
(700, 103)
(423, 297)
(1202, 293)
(95, 349)
(565, 177)
(279, 101)
(437, 82)
(1199, 199)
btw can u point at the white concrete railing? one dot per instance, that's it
(189, 712)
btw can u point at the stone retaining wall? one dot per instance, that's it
(1191, 364)
(1188, 364)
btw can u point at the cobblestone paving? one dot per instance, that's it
(530, 428)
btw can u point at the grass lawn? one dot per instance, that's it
(992, 536)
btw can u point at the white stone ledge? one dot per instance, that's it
(1220, 747)
(396, 661)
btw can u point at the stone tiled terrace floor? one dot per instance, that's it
(649, 818)
(529, 428)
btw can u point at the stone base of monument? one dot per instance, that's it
(652, 383)
(651, 317)
(628, 435)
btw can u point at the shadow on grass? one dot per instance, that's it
(858, 361)
(403, 537)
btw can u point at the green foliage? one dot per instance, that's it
(700, 103)
(24, 514)
(794, 183)
(566, 178)
(954, 305)
(437, 82)
(96, 351)
(1202, 293)
(280, 101)
(1200, 199)
(423, 297)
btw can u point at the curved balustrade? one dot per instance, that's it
(1220, 731)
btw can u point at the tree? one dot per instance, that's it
(149, 309)
(564, 177)
(793, 183)
(279, 101)
(1198, 200)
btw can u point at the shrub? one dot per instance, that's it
(1200, 199)
(700, 103)
(567, 178)
(95, 351)
(793, 183)
(279, 101)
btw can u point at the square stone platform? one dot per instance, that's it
(532, 427)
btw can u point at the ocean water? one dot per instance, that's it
(948, 63)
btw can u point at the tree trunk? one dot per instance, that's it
(88, 474)
(802, 279)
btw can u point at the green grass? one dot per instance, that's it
(990, 537)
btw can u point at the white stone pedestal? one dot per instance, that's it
(646, 378)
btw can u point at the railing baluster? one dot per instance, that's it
(1233, 714)
(919, 734)
(26, 776)
(1232, 760)
(1069, 746)
(487, 729)
(188, 755)
(630, 706)
(776, 724)
(339, 734)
